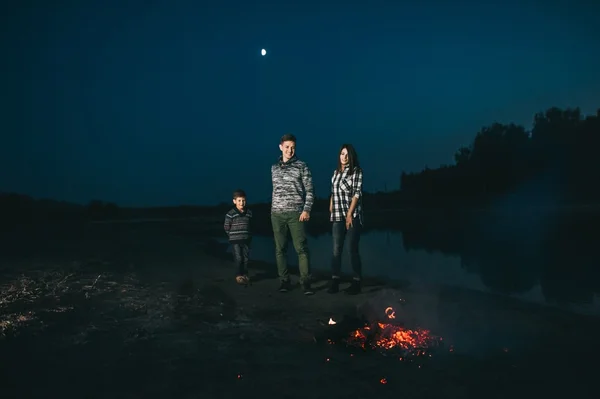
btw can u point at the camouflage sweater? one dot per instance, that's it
(292, 186)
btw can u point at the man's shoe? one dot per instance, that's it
(307, 289)
(354, 288)
(285, 286)
(334, 286)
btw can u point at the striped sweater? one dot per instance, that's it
(292, 186)
(237, 226)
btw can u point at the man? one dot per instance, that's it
(293, 198)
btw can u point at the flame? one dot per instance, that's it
(390, 313)
(331, 321)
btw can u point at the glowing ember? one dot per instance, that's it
(384, 336)
(383, 381)
(390, 313)
(331, 321)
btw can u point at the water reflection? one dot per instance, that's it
(549, 257)
(535, 257)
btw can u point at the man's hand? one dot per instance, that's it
(349, 221)
(304, 216)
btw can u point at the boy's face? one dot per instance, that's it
(240, 203)
(288, 149)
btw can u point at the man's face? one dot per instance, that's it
(288, 149)
(240, 203)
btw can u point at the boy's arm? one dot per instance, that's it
(308, 188)
(250, 216)
(227, 225)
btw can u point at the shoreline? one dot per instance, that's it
(585, 310)
(323, 215)
(371, 285)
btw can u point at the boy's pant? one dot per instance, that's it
(352, 236)
(241, 254)
(282, 223)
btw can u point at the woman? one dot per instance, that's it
(345, 209)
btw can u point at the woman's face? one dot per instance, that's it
(344, 157)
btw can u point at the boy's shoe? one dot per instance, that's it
(354, 288)
(334, 286)
(307, 289)
(241, 279)
(285, 286)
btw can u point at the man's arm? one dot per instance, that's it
(308, 188)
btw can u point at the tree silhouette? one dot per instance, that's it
(503, 157)
(462, 156)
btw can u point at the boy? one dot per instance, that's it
(237, 228)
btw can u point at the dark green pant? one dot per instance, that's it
(282, 223)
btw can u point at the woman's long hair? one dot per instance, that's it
(352, 159)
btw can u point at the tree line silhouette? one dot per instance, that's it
(557, 155)
(554, 164)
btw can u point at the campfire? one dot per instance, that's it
(388, 336)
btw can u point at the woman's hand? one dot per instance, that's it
(349, 220)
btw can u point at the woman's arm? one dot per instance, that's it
(352, 207)
(356, 194)
(331, 192)
(357, 178)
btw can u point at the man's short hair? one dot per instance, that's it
(287, 137)
(239, 193)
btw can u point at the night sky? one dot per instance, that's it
(170, 102)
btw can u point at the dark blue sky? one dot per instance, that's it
(170, 102)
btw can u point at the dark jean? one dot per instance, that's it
(241, 255)
(352, 236)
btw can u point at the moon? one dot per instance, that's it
(263, 52)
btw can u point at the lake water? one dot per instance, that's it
(384, 254)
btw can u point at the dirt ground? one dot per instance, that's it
(151, 310)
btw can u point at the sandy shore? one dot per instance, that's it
(152, 310)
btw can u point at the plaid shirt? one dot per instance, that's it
(344, 187)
